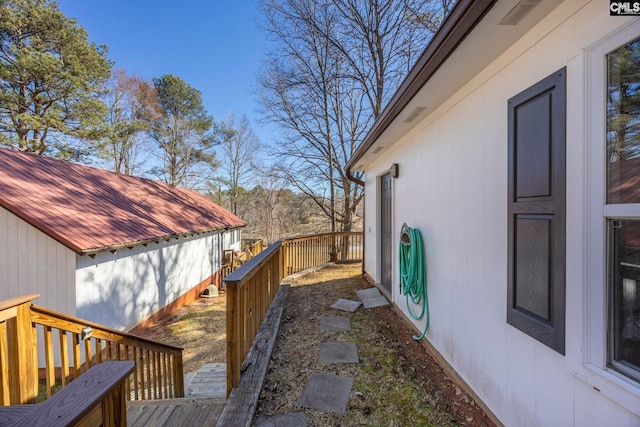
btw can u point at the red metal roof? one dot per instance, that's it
(89, 209)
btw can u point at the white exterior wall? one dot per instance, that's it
(122, 289)
(33, 263)
(452, 186)
(232, 240)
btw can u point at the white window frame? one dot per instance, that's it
(620, 388)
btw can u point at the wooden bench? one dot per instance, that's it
(95, 398)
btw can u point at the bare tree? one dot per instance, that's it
(237, 150)
(132, 104)
(273, 211)
(332, 66)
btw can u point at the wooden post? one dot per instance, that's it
(114, 408)
(50, 374)
(5, 398)
(179, 373)
(233, 337)
(23, 382)
(333, 255)
(283, 255)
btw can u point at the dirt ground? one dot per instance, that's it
(199, 328)
(396, 382)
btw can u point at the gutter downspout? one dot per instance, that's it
(352, 178)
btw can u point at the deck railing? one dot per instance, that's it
(252, 287)
(254, 248)
(36, 342)
(233, 260)
(301, 253)
(250, 290)
(97, 399)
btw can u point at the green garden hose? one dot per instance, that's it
(413, 274)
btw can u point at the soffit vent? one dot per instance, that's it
(415, 113)
(519, 11)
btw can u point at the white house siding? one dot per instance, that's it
(232, 240)
(33, 263)
(122, 289)
(453, 188)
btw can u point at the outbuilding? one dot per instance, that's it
(110, 248)
(513, 148)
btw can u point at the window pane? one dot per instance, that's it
(625, 297)
(623, 124)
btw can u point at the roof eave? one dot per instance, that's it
(458, 24)
(130, 245)
(92, 251)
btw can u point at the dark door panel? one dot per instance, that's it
(386, 231)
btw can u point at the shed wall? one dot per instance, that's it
(453, 188)
(33, 263)
(232, 240)
(122, 289)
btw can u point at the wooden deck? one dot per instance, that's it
(188, 411)
(205, 399)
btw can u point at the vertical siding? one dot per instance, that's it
(32, 262)
(232, 239)
(123, 288)
(453, 187)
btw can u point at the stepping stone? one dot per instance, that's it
(338, 352)
(368, 293)
(326, 393)
(375, 302)
(371, 298)
(346, 305)
(292, 419)
(337, 323)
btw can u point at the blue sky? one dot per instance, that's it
(213, 45)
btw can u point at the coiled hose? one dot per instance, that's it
(413, 275)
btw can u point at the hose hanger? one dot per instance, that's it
(405, 235)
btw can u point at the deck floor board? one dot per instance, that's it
(174, 412)
(205, 398)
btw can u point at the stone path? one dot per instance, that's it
(325, 392)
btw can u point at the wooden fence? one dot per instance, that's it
(255, 248)
(305, 252)
(252, 287)
(250, 290)
(232, 260)
(36, 342)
